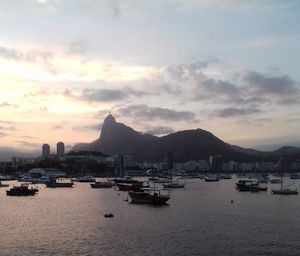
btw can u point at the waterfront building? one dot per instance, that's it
(46, 151)
(216, 163)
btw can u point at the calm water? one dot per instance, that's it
(199, 220)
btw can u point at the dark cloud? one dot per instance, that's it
(105, 95)
(282, 89)
(232, 112)
(155, 113)
(85, 128)
(159, 130)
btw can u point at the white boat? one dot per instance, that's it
(174, 184)
(284, 191)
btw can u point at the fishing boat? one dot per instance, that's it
(250, 185)
(59, 183)
(284, 191)
(150, 196)
(102, 184)
(22, 190)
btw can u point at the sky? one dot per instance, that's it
(230, 67)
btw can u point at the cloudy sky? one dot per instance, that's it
(227, 66)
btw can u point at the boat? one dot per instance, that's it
(284, 191)
(101, 184)
(59, 183)
(226, 176)
(159, 180)
(126, 179)
(2, 185)
(295, 176)
(22, 190)
(86, 179)
(150, 196)
(130, 186)
(250, 185)
(273, 181)
(211, 178)
(174, 184)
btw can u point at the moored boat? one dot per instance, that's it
(174, 184)
(150, 196)
(87, 178)
(211, 178)
(130, 186)
(101, 184)
(2, 185)
(250, 185)
(59, 183)
(22, 190)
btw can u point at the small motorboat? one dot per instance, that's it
(22, 190)
(108, 215)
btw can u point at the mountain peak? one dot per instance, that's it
(110, 119)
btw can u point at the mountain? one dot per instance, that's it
(117, 138)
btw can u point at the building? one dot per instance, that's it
(171, 160)
(60, 149)
(216, 163)
(46, 151)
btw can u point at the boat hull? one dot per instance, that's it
(144, 198)
(285, 192)
(60, 185)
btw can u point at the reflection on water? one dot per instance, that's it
(199, 220)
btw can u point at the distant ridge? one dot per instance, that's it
(117, 138)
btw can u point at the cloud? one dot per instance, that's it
(29, 144)
(8, 128)
(3, 134)
(145, 112)
(105, 95)
(8, 53)
(5, 104)
(57, 127)
(85, 128)
(232, 112)
(159, 130)
(281, 88)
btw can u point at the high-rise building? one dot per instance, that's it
(60, 149)
(46, 150)
(170, 160)
(216, 163)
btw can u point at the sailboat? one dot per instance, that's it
(284, 191)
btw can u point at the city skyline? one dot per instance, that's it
(229, 67)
